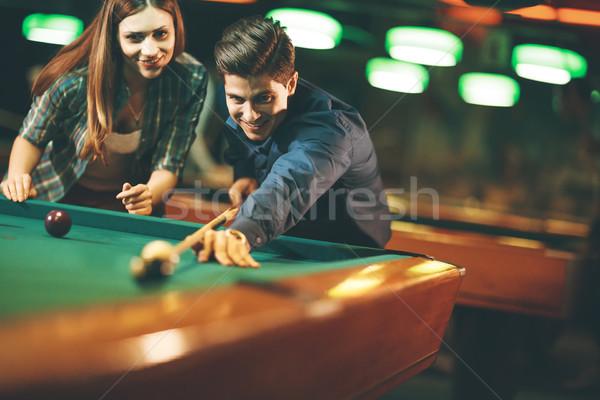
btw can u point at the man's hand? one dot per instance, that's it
(18, 187)
(229, 247)
(241, 189)
(137, 199)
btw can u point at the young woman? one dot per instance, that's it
(113, 113)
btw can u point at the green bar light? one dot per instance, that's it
(547, 63)
(397, 76)
(488, 89)
(52, 28)
(309, 29)
(427, 46)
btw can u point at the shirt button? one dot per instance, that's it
(258, 240)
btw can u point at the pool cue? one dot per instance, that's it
(191, 239)
(162, 260)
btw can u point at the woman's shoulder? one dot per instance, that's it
(72, 84)
(187, 64)
(187, 59)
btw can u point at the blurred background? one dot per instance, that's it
(507, 130)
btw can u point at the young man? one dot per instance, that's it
(304, 164)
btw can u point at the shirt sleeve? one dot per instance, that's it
(297, 179)
(53, 109)
(179, 132)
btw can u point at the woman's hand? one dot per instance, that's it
(23, 159)
(241, 189)
(18, 187)
(229, 247)
(137, 199)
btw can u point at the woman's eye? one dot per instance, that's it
(135, 37)
(160, 34)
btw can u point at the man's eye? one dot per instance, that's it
(266, 98)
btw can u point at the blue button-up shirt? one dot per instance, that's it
(318, 175)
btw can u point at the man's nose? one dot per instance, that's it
(249, 113)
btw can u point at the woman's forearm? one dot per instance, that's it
(159, 184)
(24, 156)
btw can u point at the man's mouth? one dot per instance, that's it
(255, 124)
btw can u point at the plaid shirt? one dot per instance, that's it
(57, 123)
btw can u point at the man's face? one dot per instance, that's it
(258, 104)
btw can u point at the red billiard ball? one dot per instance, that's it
(57, 223)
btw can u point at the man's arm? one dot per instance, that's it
(289, 191)
(295, 182)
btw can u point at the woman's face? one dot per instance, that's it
(147, 40)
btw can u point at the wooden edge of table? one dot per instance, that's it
(505, 274)
(559, 225)
(250, 332)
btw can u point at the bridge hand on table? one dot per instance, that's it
(136, 199)
(18, 187)
(229, 247)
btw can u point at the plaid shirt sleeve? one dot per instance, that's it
(57, 107)
(56, 123)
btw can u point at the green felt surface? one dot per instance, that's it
(91, 263)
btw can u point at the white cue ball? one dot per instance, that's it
(157, 250)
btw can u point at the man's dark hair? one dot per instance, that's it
(254, 46)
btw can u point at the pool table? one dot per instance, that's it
(316, 320)
(522, 287)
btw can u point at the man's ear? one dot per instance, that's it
(292, 83)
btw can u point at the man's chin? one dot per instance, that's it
(257, 136)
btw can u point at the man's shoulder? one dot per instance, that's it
(310, 98)
(313, 105)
